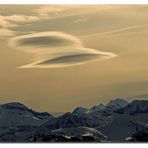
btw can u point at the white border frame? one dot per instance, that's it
(86, 145)
(73, 1)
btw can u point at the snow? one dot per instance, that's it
(78, 132)
(35, 118)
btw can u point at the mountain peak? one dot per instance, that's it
(98, 107)
(80, 110)
(14, 105)
(17, 114)
(117, 103)
(136, 106)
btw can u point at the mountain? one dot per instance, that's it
(98, 107)
(73, 134)
(127, 121)
(135, 107)
(17, 114)
(101, 109)
(18, 122)
(118, 121)
(99, 115)
(117, 103)
(119, 127)
(67, 120)
(57, 114)
(80, 111)
(139, 136)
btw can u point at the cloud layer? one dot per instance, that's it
(46, 12)
(6, 33)
(56, 49)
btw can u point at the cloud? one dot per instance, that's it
(62, 11)
(71, 59)
(56, 49)
(51, 10)
(58, 11)
(43, 41)
(20, 18)
(9, 21)
(120, 31)
(48, 12)
(6, 33)
(41, 13)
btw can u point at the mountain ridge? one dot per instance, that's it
(20, 123)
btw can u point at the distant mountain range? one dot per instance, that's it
(117, 121)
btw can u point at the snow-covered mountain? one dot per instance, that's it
(94, 117)
(16, 114)
(140, 136)
(117, 103)
(127, 121)
(67, 120)
(98, 107)
(101, 108)
(135, 107)
(18, 122)
(101, 114)
(119, 127)
(117, 121)
(81, 111)
(57, 114)
(73, 134)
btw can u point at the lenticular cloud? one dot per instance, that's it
(56, 49)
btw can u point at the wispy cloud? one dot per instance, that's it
(57, 49)
(6, 33)
(13, 20)
(51, 12)
(120, 31)
(58, 11)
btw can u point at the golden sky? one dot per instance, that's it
(58, 57)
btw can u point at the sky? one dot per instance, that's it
(57, 57)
